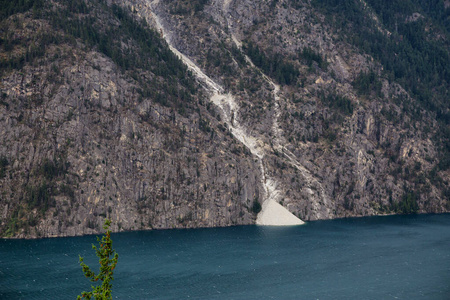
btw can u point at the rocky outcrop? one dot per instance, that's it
(82, 145)
(335, 150)
(91, 132)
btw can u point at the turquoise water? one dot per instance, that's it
(398, 257)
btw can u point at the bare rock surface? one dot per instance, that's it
(89, 134)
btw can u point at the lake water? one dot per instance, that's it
(396, 257)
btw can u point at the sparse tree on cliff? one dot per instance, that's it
(108, 260)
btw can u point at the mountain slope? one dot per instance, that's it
(372, 145)
(99, 125)
(324, 110)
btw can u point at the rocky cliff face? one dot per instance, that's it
(100, 118)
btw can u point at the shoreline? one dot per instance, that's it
(236, 225)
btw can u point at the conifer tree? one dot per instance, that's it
(108, 260)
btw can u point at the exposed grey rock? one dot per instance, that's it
(148, 166)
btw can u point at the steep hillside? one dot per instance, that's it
(350, 132)
(162, 114)
(99, 119)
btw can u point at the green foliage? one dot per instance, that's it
(348, 204)
(415, 54)
(33, 52)
(238, 56)
(389, 10)
(13, 224)
(443, 135)
(222, 59)
(309, 56)
(145, 51)
(256, 207)
(366, 83)
(10, 7)
(186, 7)
(390, 115)
(274, 66)
(297, 4)
(20, 218)
(53, 169)
(330, 135)
(337, 102)
(3, 164)
(408, 204)
(108, 260)
(68, 191)
(203, 125)
(40, 197)
(36, 49)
